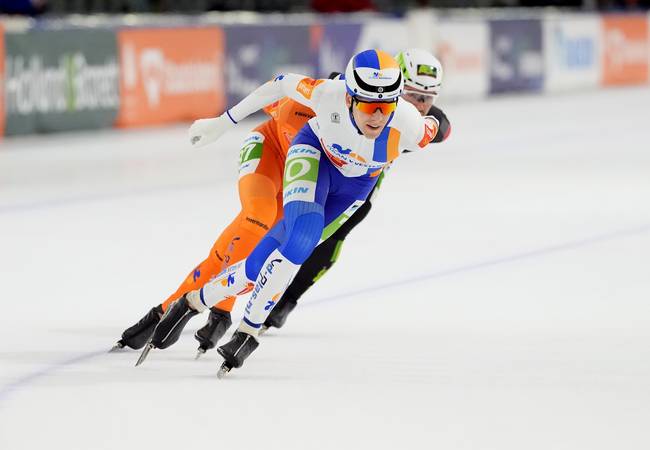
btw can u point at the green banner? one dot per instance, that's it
(60, 80)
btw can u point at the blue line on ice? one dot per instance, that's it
(492, 262)
(7, 389)
(25, 380)
(98, 197)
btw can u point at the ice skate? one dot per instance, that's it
(170, 327)
(218, 323)
(136, 336)
(236, 351)
(279, 314)
(172, 323)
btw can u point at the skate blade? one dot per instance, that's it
(199, 352)
(144, 354)
(117, 347)
(223, 370)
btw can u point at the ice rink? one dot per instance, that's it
(498, 297)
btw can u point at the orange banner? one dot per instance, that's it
(169, 75)
(2, 81)
(625, 50)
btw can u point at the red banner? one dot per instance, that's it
(625, 50)
(169, 75)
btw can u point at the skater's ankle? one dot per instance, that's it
(220, 311)
(248, 329)
(194, 301)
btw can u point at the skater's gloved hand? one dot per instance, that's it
(205, 131)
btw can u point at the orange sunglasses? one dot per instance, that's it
(370, 107)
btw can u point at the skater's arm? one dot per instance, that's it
(428, 130)
(417, 131)
(298, 87)
(444, 128)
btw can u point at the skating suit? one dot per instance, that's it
(261, 165)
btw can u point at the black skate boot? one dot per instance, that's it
(137, 335)
(279, 314)
(234, 353)
(218, 323)
(170, 327)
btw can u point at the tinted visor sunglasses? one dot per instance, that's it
(385, 108)
(418, 96)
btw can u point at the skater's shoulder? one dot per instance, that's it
(287, 109)
(405, 111)
(308, 87)
(407, 119)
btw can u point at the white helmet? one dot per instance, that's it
(422, 71)
(375, 76)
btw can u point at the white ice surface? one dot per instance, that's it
(497, 297)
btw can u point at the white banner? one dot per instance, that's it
(573, 52)
(462, 47)
(389, 35)
(421, 24)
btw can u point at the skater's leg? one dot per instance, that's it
(238, 278)
(306, 186)
(303, 223)
(312, 199)
(315, 194)
(260, 181)
(319, 262)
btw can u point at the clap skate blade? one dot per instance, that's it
(200, 352)
(119, 345)
(223, 370)
(145, 352)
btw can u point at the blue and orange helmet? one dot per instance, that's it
(373, 75)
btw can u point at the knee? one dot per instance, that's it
(304, 227)
(258, 256)
(303, 238)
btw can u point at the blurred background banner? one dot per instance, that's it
(72, 72)
(626, 49)
(257, 53)
(60, 80)
(334, 44)
(517, 63)
(463, 49)
(573, 52)
(169, 75)
(390, 35)
(2, 80)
